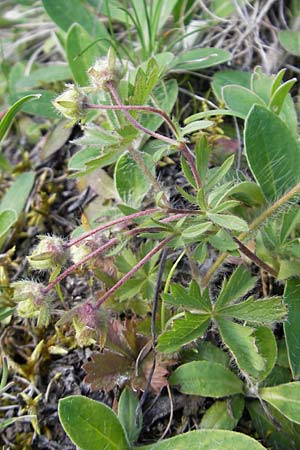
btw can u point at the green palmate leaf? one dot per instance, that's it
(223, 414)
(64, 14)
(9, 116)
(91, 425)
(228, 221)
(285, 398)
(199, 59)
(291, 325)
(128, 404)
(241, 342)
(290, 40)
(267, 310)
(282, 437)
(184, 331)
(195, 378)
(240, 99)
(81, 54)
(8, 217)
(229, 77)
(196, 231)
(204, 439)
(272, 152)
(235, 287)
(131, 183)
(145, 80)
(191, 298)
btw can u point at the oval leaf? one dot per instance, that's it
(285, 398)
(200, 58)
(223, 414)
(7, 219)
(195, 378)
(273, 153)
(240, 99)
(131, 182)
(207, 440)
(91, 425)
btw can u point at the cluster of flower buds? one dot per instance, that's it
(69, 103)
(32, 302)
(105, 70)
(48, 254)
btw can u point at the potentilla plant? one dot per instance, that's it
(222, 213)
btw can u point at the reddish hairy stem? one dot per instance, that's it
(107, 225)
(149, 109)
(71, 269)
(186, 153)
(134, 122)
(126, 277)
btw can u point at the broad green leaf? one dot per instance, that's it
(239, 283)
(196, 126)
(195, 378)
(42, 107)
(9, 116)
(16, 196)
(228, 221)
(280, 435)
(91, 425)
(184, 331)
(131, 182)
(280, 95)
(248, 192)
(229, 77)
(241, 342)
(285, 398)
(291, 325)
(240, 99)
(290, 41)
(79, 55)
(196, 231)
(46, 74)
(223, 414)
(200, 58)
(8, 217)
(204, 439)
(128, 404)
(267, 310)
(65, 13)
(272, 152)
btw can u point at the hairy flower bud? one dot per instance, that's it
(69, 103)
(32, 302)
(48, 254)
(105, 70)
